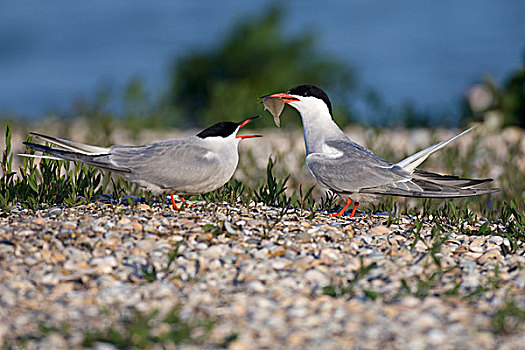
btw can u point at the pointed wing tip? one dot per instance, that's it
(32, 133)
(468, 130)
(38, 156)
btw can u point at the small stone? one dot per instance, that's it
(201, 246)
(410, 301)
(240, 345)
(25, 233)
(296, 339)
(104, 264)
(50, 279)
(473, 255)
(136, 226)
(498, 240)
(379, 230)
(230, 229)
(69, 225)
(279, 264)
(421, 247)
(317, 277)
(150, 229)
(491, 255)
(54, 341)
(145, 245)
(213, 252)
(39, 221)
(143, 206)
(124, 221)
(256, 286)
(55, 211)
(6, 249)
(304, 237)
(424, 321)
(477, 245)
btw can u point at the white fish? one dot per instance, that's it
(275, 105)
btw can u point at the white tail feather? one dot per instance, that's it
(38, 156)
(74, 146)
(411, 163)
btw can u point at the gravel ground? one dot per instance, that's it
(267, 282)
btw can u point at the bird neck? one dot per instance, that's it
(318, 127)
(222, 145)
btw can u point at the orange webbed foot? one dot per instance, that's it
(175, 206)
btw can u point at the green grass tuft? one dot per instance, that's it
(509, 319)
(139, 331)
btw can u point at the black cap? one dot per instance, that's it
(222, 129)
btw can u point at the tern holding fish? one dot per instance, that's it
(353, 171)
(192, 165)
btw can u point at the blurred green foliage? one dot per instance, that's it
(506, 103)
(140, 110)
(220, 83)
(136, 332)
(257, 57)
(260, 56)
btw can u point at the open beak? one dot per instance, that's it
(283, 96)
(242, 124)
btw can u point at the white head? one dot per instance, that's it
(316, 113)
(310, 101)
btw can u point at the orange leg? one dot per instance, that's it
(342, 211)
(173, 202)
(356, 204)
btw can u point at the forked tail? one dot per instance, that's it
(74, 151)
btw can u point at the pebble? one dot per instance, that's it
(379, 230)
(55, 211)
(213, 252)
(6, 250)
(477, 245)
(316, 277)
(25, 233)
(104, 264)
(145, 246)
(39, 221)
(492, 255)
(498, 240)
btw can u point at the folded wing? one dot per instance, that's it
(349, 167)
(170, 164)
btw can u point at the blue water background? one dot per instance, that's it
(419, 51)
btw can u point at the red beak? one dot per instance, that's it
(242, 124)
(247, 136)
(283, 96)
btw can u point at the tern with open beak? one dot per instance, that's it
(192, 165)
(356, 173)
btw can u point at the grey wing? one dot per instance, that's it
(168, 165)
(349, 167)
(430, 185)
